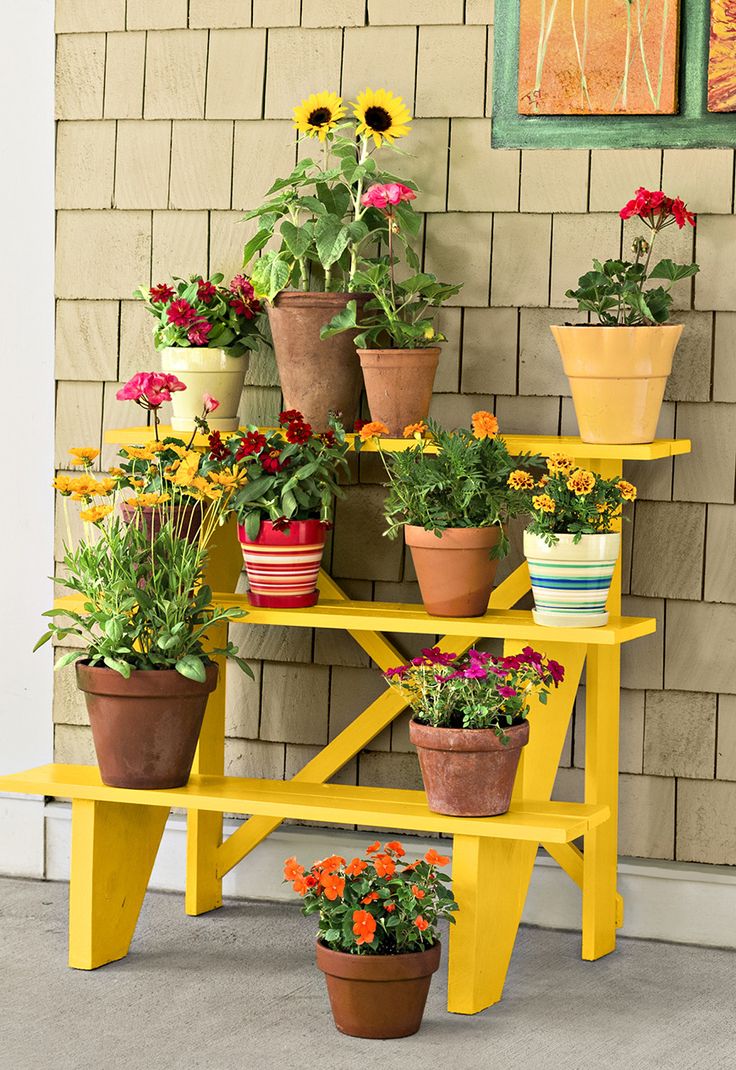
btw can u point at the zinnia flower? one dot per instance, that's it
(318, 114)
(372, 429)
(198, 333)
(364, 926)
(520, 480)
(243, 297)
(218, 449)
(288, 416)
(380, 115)
(181, 313)
(160, 294)
(206, 291)
(485, 425)
(298, 433)
(251, 442)
(270, 461)
(543, 503)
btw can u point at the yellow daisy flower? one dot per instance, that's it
(139, 453)
(520, 480)
(381, 116)
(117, 472)
(96, 514)
(229, 477)
(148, 501)
(187, 469)
(84, 455)
(544, 503)
(318, 114)
(63, 485)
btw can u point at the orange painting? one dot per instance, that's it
(599, 57)
(722, 61)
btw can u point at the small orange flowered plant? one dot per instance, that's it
(485, 425)
(416, 430)
(372, 430)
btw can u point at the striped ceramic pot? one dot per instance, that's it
(283, 566)
(571, 581)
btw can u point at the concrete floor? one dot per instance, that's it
(239, 989)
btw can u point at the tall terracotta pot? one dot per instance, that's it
(468, 772)
(379, 997)
(186, 518)
(205, 370)
(318, 376)
(283, 566)
(617, 377)
(145, 729)
(455, 570)
(398, 384)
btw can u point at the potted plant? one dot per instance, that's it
(284, 505)
(452, 503)
(322, 229)
(145, 667)
(569, 545)
(378, 942)
(398, 338)
(204, 332)
(469, 723)
(618, 368)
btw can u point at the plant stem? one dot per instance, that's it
(584, 96)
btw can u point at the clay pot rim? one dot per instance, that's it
(311, 298)
(380, 967)
(678, 327)
(399, 352)
(467, 739)
(464, 538)
(104, 681)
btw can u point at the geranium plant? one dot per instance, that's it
(617, 291)
(377, 905)
(570, 500)
(202, 312)
(150, 390)
(317, 214)
(283, 474)
(476, 689)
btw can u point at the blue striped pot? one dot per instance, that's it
(571, 581)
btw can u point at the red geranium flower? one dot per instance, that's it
(181, 313)
(206, 291)
(681, 214)
(161, 294)
(298, 433)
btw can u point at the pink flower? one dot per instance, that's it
(198, 333)
(381, 195)
(181, 313)
(210, 403)
(507, 692)
(150, 389)
(161, 294)
(243, 297)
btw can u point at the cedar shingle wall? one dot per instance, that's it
(174, 117)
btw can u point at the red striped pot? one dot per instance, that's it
(283, 567)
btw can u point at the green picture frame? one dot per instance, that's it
(693, 127)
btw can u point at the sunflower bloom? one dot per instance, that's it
(558, 463)
(318, 114)
(581, 482)
(96, 514)
(381, 116)
(543, 503)
(485, 425)
(628, 490)
(520, 480)
(84, 455)
(374, 427)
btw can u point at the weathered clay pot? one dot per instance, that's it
(283, 566)
(145, 729)
(455, 570)
(318, 376)
(379, 997)
(398, 384)
(186, 519)
(617, 377)
(205, 370)
(468, 772)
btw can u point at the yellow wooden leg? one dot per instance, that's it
(114, 846)
(601, 786)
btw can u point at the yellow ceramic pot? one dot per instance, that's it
(205, 370)
(617, 377)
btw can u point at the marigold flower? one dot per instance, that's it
(384, 865)
(558, 463)
(543, 503)
(415, 430)
(84, 455)
(432, 858)
(356, 867)
(520, 480)
(417, 892)
(372, 429)
(421, 923)
(581, 482)
(96, 514)
(628, 490)
(292, 869)
(485, 425)
(364, 926)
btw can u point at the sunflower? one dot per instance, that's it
(318, 114)
(381, 115)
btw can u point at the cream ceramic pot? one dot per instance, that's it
(205, 370)
(571, 580)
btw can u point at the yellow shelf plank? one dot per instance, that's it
(543, 444)
(553, 822)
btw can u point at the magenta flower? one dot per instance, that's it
(198, 333)
(507, 692)
(150, 389)
(390, 193)
(556, 671)
(210, 403)
(206, 291)
(400, 671)
(435, 656)
(475, 671)
(181, 313)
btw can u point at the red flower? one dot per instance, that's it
(292, 869)
(218, 450)
(681, 214)
(395, 848)
(373, 847)
(198, 332)
(421, 923)
(243, 298)
(434, 859)
(206, 291)
(417, 892)
(181, 313)
(332, 885)
(390, 907)
(328, 437)
(251, 442)
(161, 294)
(281, 524)
(288, 416)
(298, 433)
(359, 425)
(271, 463)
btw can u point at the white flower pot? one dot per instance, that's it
(205, 370)
(571, 581)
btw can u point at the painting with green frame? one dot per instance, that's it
(692, 127)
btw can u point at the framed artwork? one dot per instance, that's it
(577, 74)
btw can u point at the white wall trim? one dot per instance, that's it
(680, 902)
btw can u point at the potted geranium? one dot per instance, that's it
(322, 229)
(469, 723)
(378, 942)
(569, 544)
(618, 368)
(398, 338)
(204, 332)
(452, 504)
(284, 505)
(145, 666)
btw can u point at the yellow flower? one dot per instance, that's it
(229, 478)
(374, 428)
(318, 114)
(148, 501)
(520, 480)
(82, 488)
(415, 430)
(139, 453)
(628, 490)
(84, 455)
(581, 482)
(543, 481)
(214, 493)
(601, 507)
(106, 486)
(186, 469)
(96, 514)
(557, 463)
(381, 115)
(429, 333)
(63, 485)
(178, 449)
(117, 472)
(485, 425)
(544, 503)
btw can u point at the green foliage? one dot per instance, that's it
(614, 291)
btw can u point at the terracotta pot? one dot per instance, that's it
(283, 567)
(455, 570)
(468, 772)
(205, 370)
(379, 997)
(617, 377)
(571, 581)
(398, 384)
(186, 519)
(145, 729)
(317, 375)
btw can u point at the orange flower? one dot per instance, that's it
(417, 892)
(395, 848)
(372, 429)
(83, 455)
(581, 482)
(332, 885)
(434, 859)
(385, 866)
(558, 463)
(421, 923)
(370, 898)
(356, 867)
(373, 847)
(303, 884)
(628, 490)
(292, 869)
(543, 502)
(364, 926)
(390, 907)
(520, 480)
(327, 865)
(417, 429)
(485, 425)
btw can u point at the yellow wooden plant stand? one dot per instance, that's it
(116, 832)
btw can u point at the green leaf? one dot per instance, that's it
(270, 275)
(342, 321)
(242, 665)
(44, 639)
(667, 269)
(68, 658)
(255, 244)
(253, 524)
(192, 667)
(123, 667)
(331, 239)
(298, 239)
